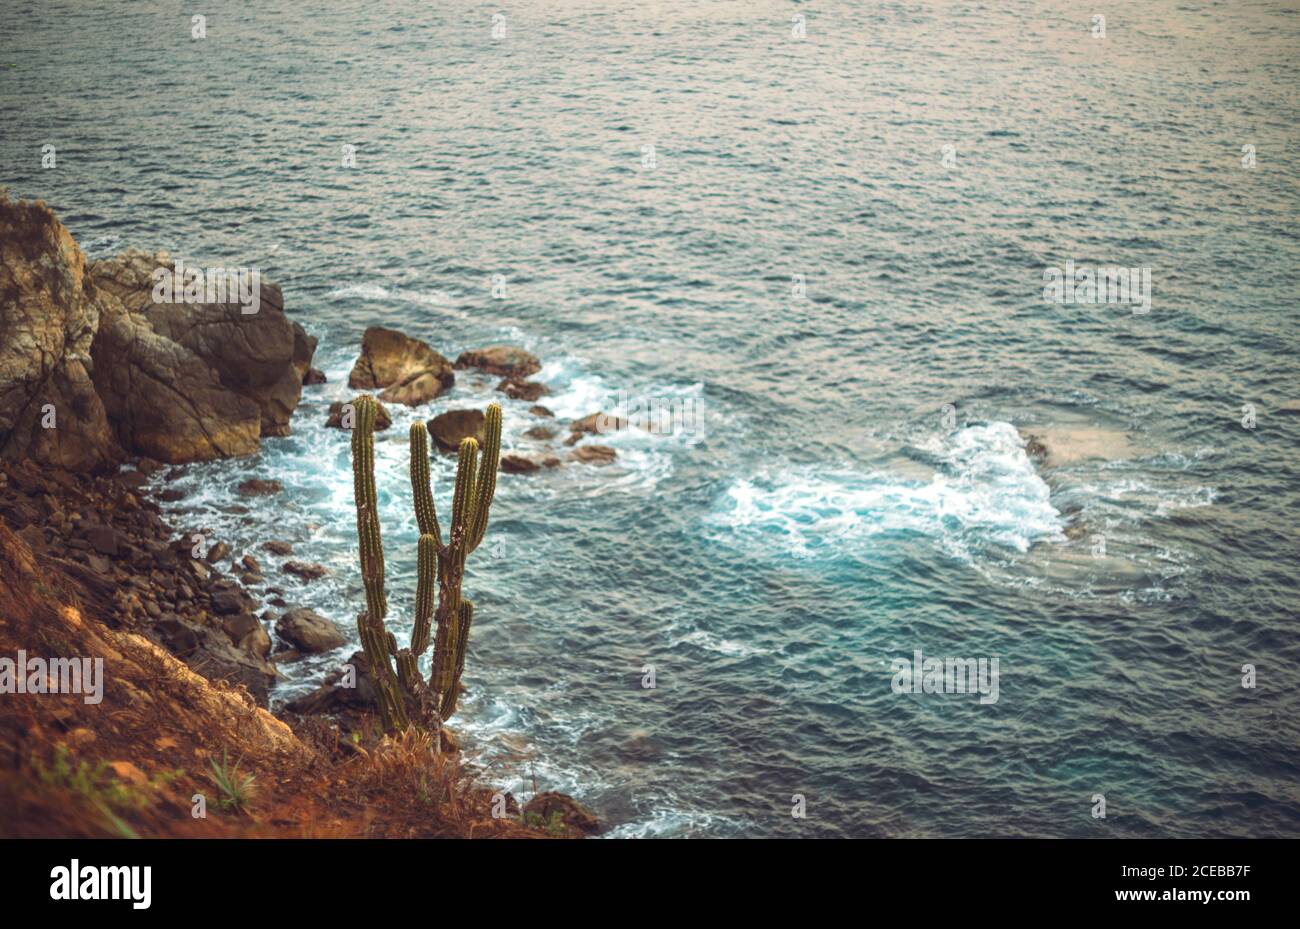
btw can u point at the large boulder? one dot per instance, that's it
(49, 312)
(448, 429)
(260, 356)
(97, 363)
(407, 370)
(309, 632)
(503, 360)
(162, 399)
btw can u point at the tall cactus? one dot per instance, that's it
(403, 694)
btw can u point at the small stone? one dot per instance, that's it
(517, 389)
(218, 552)
(502, 360)
(518, 464)
(305, 570)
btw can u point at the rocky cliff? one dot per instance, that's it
(95, 369)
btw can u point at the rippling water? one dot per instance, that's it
(829, 515)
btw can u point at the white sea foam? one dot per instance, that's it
(370, 291)
(986, 491)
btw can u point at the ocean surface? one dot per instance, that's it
(856, 313)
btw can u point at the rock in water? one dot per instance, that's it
(502, 360)
(569, 811)
(407, 370)
(308, 631)
(518, 464)
(593, 454)
(517, 389)
(449, 428)
(259, 487)
(305, 570)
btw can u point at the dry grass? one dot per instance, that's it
(132, 764)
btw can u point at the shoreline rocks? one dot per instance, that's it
(406, 370)
(112, 544)
(94, 369)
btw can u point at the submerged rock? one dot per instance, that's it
(593, 454)
(517, 389)
(407, 370)
(503, 360)
(259, 487)
(305, 570)
(595, 424)
(518, 464)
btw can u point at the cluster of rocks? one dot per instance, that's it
(133, 571)
(96, 367)
(410, 372)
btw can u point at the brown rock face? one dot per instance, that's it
(92, 368)
(502, 360)
(260, 356)
(49, 311)
(449, 428)
(407, 370)
(163, 400)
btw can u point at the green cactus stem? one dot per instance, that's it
(404, 696)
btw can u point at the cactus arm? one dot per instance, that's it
(427, 576)
(486, 486)
(426, 513)
(466, 618)
(462, 503)
(392, 707)
(369, 541)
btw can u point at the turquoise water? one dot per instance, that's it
(828, 515)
